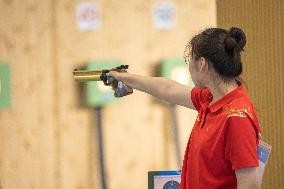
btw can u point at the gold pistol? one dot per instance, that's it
(101, 75)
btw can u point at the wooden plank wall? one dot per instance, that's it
(47, 138)
(263, 24)
(27, 137)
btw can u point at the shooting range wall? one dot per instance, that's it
(47, 138)
(263, 23)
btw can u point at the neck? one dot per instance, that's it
(220, 88)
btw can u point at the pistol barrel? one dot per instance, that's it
(82, 78)
(87, 75)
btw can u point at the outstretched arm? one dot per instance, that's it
(159, 87)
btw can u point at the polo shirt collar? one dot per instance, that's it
(226, 99)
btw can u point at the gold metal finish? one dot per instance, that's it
(86, 75)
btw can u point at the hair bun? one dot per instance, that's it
(231, 44)
(239, 36)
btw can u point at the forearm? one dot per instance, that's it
(159, 87)
(156, 86)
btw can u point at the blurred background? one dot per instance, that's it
(48, 137)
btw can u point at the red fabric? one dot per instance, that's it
(224, 138)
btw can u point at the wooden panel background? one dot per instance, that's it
(47, 139)
(27, 138)
(263, 23)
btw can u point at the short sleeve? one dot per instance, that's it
(199, 96)
(241, 142)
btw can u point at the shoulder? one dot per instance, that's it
(241, 116)
(240, 107)
(240, 110)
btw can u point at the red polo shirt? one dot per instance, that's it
(224, 138)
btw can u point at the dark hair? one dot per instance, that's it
(221, 48)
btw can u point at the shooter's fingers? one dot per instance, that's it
(114, 74)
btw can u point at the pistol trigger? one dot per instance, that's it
(104, 78)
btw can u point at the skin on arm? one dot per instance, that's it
(159, 87)
(247, 178)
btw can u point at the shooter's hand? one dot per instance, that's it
(120, 89)
(117, 75)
